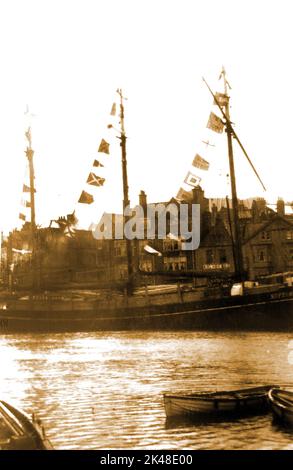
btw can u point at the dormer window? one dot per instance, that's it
(265, 235)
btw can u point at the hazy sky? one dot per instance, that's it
(66, 58)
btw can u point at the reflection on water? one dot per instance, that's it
(104, 390)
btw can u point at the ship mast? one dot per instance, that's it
(239, 266)
(30, 155)
(126, 201)
(238, 259)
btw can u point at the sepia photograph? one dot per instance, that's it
(146, 228)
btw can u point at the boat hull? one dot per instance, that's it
(218, 404)
(281, 403)
(18, 432)
(265, 312)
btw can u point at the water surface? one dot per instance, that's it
(104, 390)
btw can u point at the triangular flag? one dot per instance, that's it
(200, 163)
(95, 180)
(26, 189)
(97, 164)
(28, 135)
(192, 180)
(113, 110)
(215, 123)
(104, 147)
(85, 198)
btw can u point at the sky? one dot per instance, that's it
(66, 58)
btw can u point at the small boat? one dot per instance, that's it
(281, 403)
(217, 404)
(19, 432)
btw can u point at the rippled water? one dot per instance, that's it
(104, 390)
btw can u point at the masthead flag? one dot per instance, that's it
(222, 99)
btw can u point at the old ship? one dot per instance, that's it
(234, 304)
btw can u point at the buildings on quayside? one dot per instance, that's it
(73, 258)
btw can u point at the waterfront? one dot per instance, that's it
(104, 390)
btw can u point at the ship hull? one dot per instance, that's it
(262, 312)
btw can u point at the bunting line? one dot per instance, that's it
(94, 179)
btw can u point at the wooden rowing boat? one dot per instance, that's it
(19, 432)
(220, 403)
(281, 403)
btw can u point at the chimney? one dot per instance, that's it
(258, 209)
(198, 197)
(280, 207)
(214, 214)
(143, 200)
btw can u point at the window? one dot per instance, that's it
(289, 235)
(265, 235)
(117, 251)
(171, 245)
(261, 255)
(291, 254)
(146, 265)
(210, 256)
(177, 263)
(123, 274)
(222, 256)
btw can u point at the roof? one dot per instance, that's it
(217, 235)
(265, 225)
